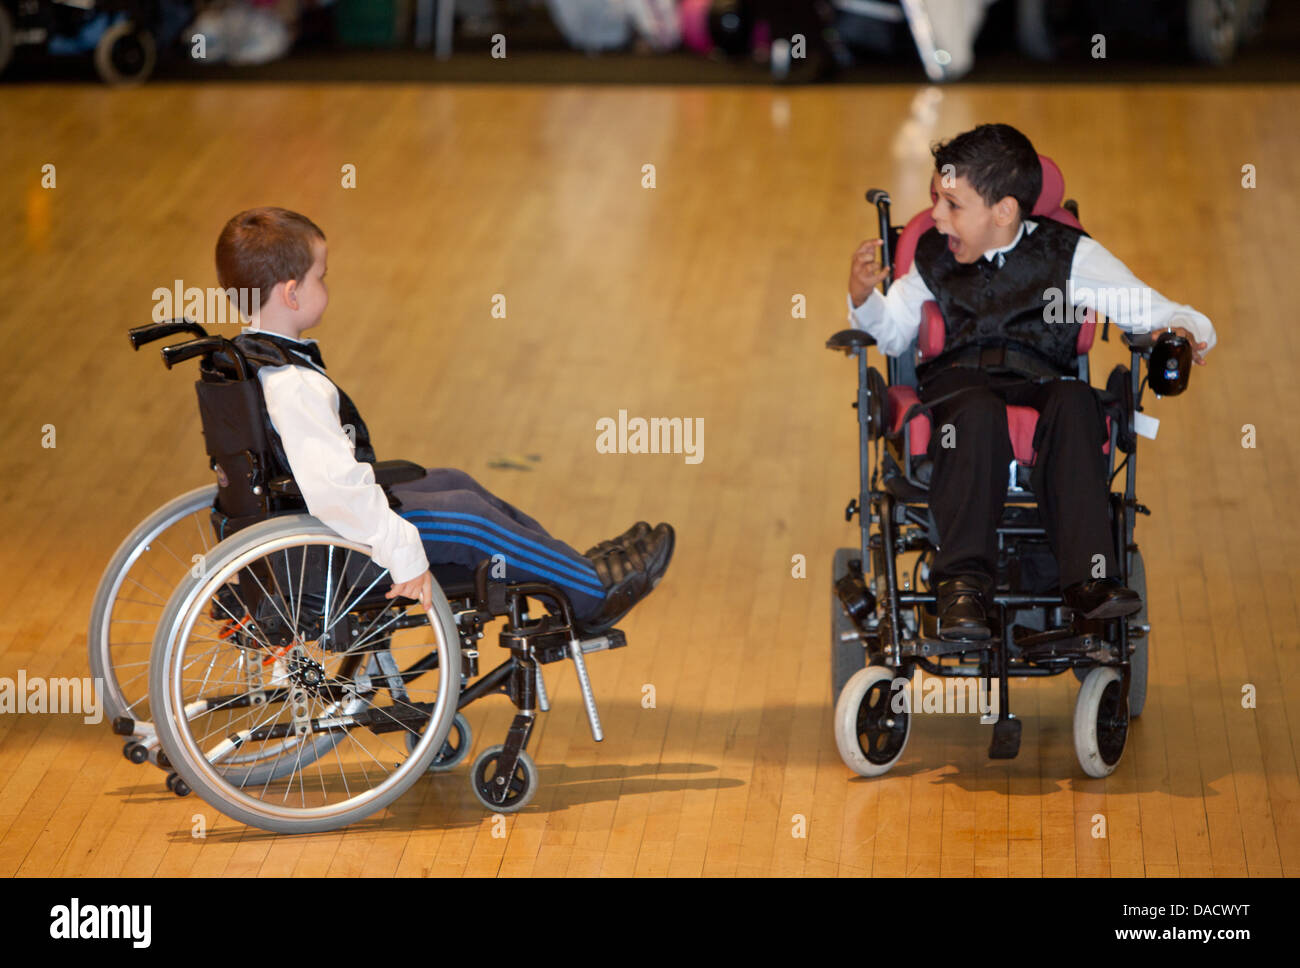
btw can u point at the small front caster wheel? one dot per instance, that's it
(872, 720)
(1100, 722)
(134, 752)
(483, 780)
(454, 749)
(177, 785)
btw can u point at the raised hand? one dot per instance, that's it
(865, 271)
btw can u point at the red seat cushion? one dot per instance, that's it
(1021, 424)
(933, 333)
(898, 399)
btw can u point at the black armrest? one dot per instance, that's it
(387, 473)
(283, 486)
(1141, 342)
(850, 339)
(390, 472)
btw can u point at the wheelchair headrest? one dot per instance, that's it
(1049, 204)
(1053, 191)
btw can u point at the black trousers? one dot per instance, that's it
(969, 479)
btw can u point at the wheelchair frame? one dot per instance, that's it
(889, 619)
(503, 777)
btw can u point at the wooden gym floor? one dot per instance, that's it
(673, 301)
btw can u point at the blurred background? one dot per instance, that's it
(650, 41)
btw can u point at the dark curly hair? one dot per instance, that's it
(997, 160)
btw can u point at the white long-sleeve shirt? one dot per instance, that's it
(1098, 280)
(303, 404)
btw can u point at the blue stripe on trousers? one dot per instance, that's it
(576, 568)
(428, 533)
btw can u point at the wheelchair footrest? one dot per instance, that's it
(555, 647)
(929, 648)
(1006, 739)
(1067, 643)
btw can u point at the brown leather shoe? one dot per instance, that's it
(1102, 598)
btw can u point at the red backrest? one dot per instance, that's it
(931, 339)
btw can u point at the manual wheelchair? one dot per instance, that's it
(250, 652)
(884, 623)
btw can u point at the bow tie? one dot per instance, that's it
(309, 350)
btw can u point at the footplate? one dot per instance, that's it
(553, 648)
(932, 648)
(1006, 739)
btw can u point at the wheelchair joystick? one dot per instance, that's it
(1170, 365)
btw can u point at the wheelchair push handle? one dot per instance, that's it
(179, 352)
(150, 332)
(880, 198)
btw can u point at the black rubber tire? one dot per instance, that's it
(109, 62)
(460, 741)
(523, 786)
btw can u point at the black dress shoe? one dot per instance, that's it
(638, 530)
(1102, 598)
(961, 611)
(629, 575)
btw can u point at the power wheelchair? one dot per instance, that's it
(884, 621)
(250, 652)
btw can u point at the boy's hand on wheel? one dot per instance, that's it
(865, 271)
(420, 589)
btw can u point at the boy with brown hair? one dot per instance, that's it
(276, 260)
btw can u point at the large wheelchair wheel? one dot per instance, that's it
(848, 654)
(140, 577)
(285, 685)
(872, 721)
(1100, 722)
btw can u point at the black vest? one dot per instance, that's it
(984, 305)
(266, 349)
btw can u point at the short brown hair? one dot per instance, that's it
(260, 247)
